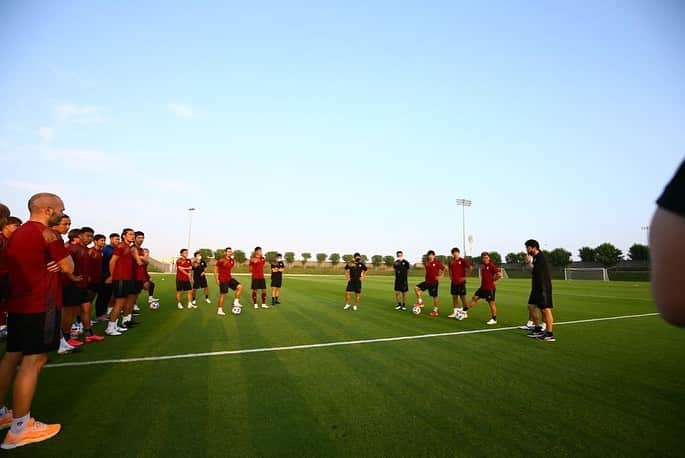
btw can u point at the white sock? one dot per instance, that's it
(19, 424)
(109, 310)
(529, 324)
(64, 342)
(420, 301)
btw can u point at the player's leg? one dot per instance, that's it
(493, 312)
(254, 297)
(238, 292)
(347, 300)
(193, 299)
(263, 296)
(548, 319)
(207, 300)
(178, 298)
(189, 297)
(433, 291)
(357, 296)
(8, 369)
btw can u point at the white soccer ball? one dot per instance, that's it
(154, 305)
(236, 310)
(416, 310)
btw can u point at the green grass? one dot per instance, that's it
(608, 388)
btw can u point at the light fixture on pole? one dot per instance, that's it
(463, 203)
(190, 223)
(646, 231)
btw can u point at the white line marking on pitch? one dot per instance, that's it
(327, 344)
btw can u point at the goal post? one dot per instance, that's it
(586, 273)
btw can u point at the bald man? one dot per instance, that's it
(33, 322)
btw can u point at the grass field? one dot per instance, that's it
(605, 388)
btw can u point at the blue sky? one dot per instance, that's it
(345, 126)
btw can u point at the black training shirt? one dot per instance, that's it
(356, 269)
(542, 280)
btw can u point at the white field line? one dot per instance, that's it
(326, 344)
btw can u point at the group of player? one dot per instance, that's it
(191, 276)
(460, 269)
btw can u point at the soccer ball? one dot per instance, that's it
(416, 310)
(154, 305)
(236, 310)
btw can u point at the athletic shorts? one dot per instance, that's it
(276, 280)
(122, 288)
(224, 286)
(183, 285)
(33, 333)
(458, 289)
(258, 283)
(4, 287)
(486, 294)
(73, 296)
(354, 286)
(432, 289)
(137, 286)
(200, 282)
(542, 299)
(401, 286)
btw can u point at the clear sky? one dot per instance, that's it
(344, 126)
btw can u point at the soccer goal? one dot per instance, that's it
(586, 273)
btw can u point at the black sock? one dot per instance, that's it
(89, 331)
(538, 329)
(494, 317)
(466, 309)
(206, 296)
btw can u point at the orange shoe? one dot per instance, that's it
(434, 313)
(6, 420)
(35, 431)
(94, 338)
(74, 342)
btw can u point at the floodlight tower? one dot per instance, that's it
(190, 223)
(463, 203)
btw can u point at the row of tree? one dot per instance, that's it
(605, 254)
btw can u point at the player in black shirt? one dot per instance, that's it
(355, 272)
(277, 269)
(667, 250)
(200, 277)
(401, 267)
(540, 292)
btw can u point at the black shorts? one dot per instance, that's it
(33, 333)
(224, 286)
(258, 283)
(200, 282)
(137, 286)
(4, 287)
(401, 286)
(122, 288)
(542, 299)
(183, 285)
(276, 280)
(73, 296)
(458, 289)
(486, 294)
(354, 286)
(432, 289)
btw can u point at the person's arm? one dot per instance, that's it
(62, 259)
(113, 263)
(138, 260)
(216, 272)
(347, 272)
(498, 274)
(365, 272)
(667, 254)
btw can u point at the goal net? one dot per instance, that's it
(586, 273)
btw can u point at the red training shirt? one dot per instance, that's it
(79, 254)
(141, 270)
(32, 287)
(95, 266)
(183, 262)
(3, 254)
(123, 270)
(257, 267)
(432, 271)
(224, 266)
(487, 276)
(458, 270)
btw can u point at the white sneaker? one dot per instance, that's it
(237, 304)
(112, 332)
(354, 307)
(136, 308)
(264, 306)
(491, 321)
(193, 303)
(346, 306)
(256, 306)
(64, 348)
(544, 327)
(528, 326)
(207, 300)
(152, 299)
(452, 315)
(192, 306)
(180, 306)
(120, 329)
(220, 312)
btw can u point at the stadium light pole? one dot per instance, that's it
(190, 223)
(463, 203)
(645, 229)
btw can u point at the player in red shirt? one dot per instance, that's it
(75, 287)
(140, 271)
(184, 269)
(34, 316)
(257, 263)
(489, 274)
(149, 285)
(225, 281)
(11, 224)
(460, 270)
(95, 255)
(121, 278)
(434, 272)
